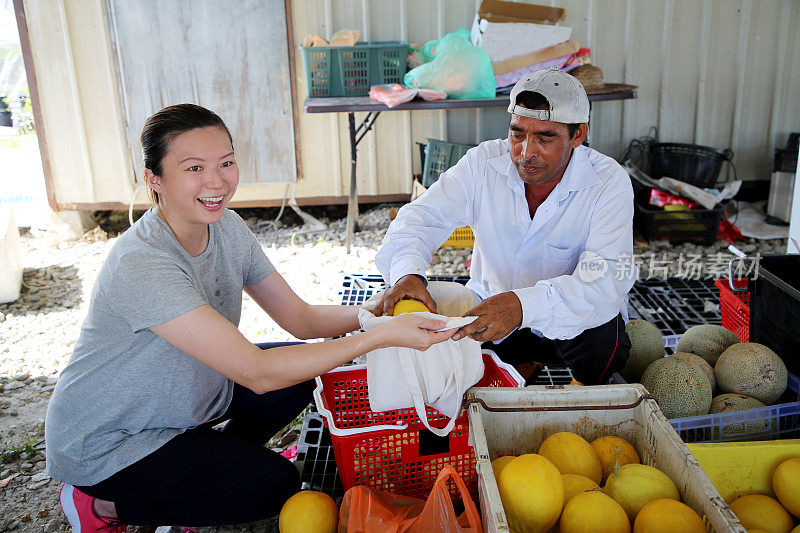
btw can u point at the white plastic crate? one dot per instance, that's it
(622, 412)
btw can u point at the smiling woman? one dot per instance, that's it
(160, 359)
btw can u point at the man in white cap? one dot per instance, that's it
(553, 228)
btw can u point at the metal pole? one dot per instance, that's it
(352, 202)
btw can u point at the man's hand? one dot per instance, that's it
(409, 286)
(497, 317)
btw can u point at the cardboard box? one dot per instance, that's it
(538, 56)
(502, 11)
(508, 29)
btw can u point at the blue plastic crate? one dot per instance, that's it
(780, 420)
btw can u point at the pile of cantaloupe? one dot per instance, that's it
(711, 372)
(580, 487)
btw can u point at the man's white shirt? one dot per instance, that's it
(570, 265)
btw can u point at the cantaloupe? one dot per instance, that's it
(532, 493)
(613, 451)
(700, 363)
(571, 454)
(786, 484)
(575, 484)
(635, 485)
(668, 516)
(757, 511)
(751, 369)
(647, 345)
(707, 340)
(730, 401)
(309, 511)
(593, 511)
(680, 388)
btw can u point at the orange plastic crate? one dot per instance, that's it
(734, 307)
(392, 450)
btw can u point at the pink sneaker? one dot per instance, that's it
(79, 510)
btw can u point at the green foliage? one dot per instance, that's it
(10, 451)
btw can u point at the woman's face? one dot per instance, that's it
(199, 176)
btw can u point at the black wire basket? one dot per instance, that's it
(690, 163)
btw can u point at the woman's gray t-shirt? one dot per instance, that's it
(126, 391)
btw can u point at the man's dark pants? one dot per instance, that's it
(593, 355)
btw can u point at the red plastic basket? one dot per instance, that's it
(392, 450)
(734, 307)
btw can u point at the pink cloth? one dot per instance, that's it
(393, 95)
(291, 453)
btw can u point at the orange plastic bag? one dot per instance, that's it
(365, 510)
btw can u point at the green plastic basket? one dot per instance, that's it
(439, 156)
(351, 70)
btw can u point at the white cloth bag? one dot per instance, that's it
(399, 378)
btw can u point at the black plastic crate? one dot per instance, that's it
(690, 163)
(673, 305)
(785, 160)
(775, 307)
(315, 460)
(693, 225)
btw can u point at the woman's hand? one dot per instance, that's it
(411, 330)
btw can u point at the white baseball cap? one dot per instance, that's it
(565, 94)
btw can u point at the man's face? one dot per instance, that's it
(541, 149)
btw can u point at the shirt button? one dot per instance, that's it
(520, 272)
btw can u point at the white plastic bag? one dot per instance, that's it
(399, 378)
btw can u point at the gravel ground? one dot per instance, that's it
(38, 331)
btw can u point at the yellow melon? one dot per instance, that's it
(796, 529)
(757, 511)
(575, 484)
(667, 516)
(593, 511)
(611, 451)
(532, 493)
(408, 306)
(786, 484)
(500, 463)
(634, 485)
(309, 511)
(572, 455)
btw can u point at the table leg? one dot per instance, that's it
(352, 201)
(356, 134)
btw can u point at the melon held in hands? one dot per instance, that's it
(408, 306)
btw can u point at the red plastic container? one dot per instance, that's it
(734, 307)
(392, 450)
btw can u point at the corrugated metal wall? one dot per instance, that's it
(722, 73)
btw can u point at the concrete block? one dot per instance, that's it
(10, 257)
